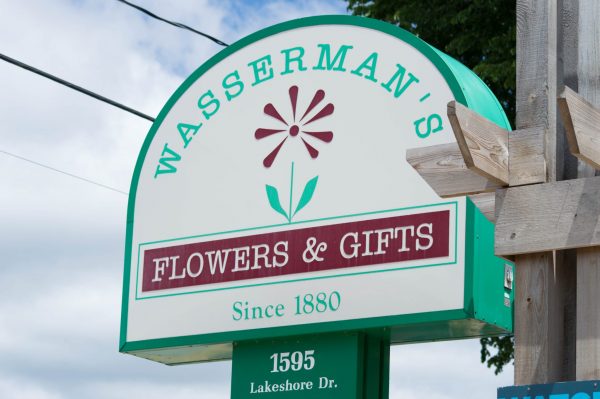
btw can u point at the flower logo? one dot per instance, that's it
(296, 128)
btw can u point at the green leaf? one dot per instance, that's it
(273, 197)
(307, 194)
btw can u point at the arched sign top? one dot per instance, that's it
(296, 132)
(466, 86)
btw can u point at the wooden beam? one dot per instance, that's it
(588, 320)
(568, 32)
(540, 334)
(483, 144)
(527, 164)
(582, 125)
(443, 168)
(588, 143)
(544, 278)
(537, 75)
(484, 158)
(486, 203)
(498, 201)
(547, 217)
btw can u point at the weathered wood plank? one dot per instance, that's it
(588, 259)
(540, 354)
(582, 125)
(570, 38)
(570, 48)
(537, 75)
(483, 144)
(541, 290)
(531, 362)
(588, 320)
(443, 168)
(527, 164)
(588, 67)
(500, 194)
(551, 216)
(486, 202)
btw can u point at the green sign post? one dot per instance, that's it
(274, 220)
(337, 366)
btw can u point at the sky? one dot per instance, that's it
(62, 239)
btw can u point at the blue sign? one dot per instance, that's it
(558, 390)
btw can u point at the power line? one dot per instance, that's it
(176, 24)
(63, 172)
(74, 87)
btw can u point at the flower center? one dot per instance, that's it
(294, 130)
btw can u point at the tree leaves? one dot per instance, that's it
(504, 352)
(307, 193)
(479, 33)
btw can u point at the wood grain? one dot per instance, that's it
(443, 168)
(588, 319)
(527, 164)
(537, 348)
(483, 144)
(551, 216)
(582, 125)
(486, 203)
(540, 335)
(538, 75)
(588, 138)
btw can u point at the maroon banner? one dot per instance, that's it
(312, 249)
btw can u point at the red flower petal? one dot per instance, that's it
(311, 150)
(268, 161)
(294, 98)
(262, 133)
(323, 136)
(272, 112)
(317, 98)
(326, 111)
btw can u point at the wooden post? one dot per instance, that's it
(588, 259)
(541, 279)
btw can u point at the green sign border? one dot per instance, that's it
(467, 89)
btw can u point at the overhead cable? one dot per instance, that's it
(176, 24)
(63, 172)
(74, 87)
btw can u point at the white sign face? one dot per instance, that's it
(273, 192)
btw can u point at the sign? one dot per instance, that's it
(308, 368)
(272, 198)
(559, 390)
(411, 237)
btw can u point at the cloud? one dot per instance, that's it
(24, 389)
(443, 370)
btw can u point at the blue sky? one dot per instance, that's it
(62, 239)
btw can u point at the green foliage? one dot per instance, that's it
(504, 352)
(482, 35)
(479, 33)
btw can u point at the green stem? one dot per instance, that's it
(291, 193)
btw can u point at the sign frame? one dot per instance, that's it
(468, 321)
